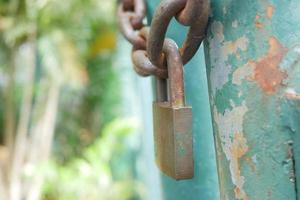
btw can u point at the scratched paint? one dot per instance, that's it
(234, 144)
(258, 24)
(291, 103)
(265, 71)
(220, 51)
(270, 10)
(253, 66)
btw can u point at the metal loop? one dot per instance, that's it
(144, 67)
(154, 61)
(139, 14)
(128, 30)
(142, 64)
(175, 71)
(162, 17)
(196, 34)
(137, 9)
(127, 5)
(190, 12)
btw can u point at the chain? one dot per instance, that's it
(131, 14)
(148, 42)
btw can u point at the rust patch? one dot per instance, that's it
(251, 164)
(267, 73)
(234, 144)
(270, 11)
(258, 24)
(238, 149)
(244, 72)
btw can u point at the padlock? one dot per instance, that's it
(173, 120)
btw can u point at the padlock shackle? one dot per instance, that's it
(175, 71)
(161, 90)
(161, 83)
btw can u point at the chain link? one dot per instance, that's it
(130, 17)
(191, 12)
(148, 43)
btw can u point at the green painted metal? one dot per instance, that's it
(252, 56)
(204, 186)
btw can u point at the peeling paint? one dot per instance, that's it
(235, 24)
(246, 71)
(225, 10)
(254, 106)
(220, 50)
(258, 24)
(260, 21)
(266, 70)
(234, 144)
(251, 164)
(270, 11)
(290, 93)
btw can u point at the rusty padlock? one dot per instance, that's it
(173, 121)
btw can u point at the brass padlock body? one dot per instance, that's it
(173, 140)
(173, 120)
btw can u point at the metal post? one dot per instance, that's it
(252, 55)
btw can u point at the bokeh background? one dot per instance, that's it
(73, 120)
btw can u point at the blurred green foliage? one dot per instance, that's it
(79, 38)
(94, 176)
(84, 113)
(74, 44)
(90, 28)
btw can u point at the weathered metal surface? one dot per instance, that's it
(130, 19)
(168, 9)
(252, 54)
(151, 53)
(204, 185)
(144, 67)
(290, 118)
(173, 122)
(173, 140)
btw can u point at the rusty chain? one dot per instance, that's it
(148, 43)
